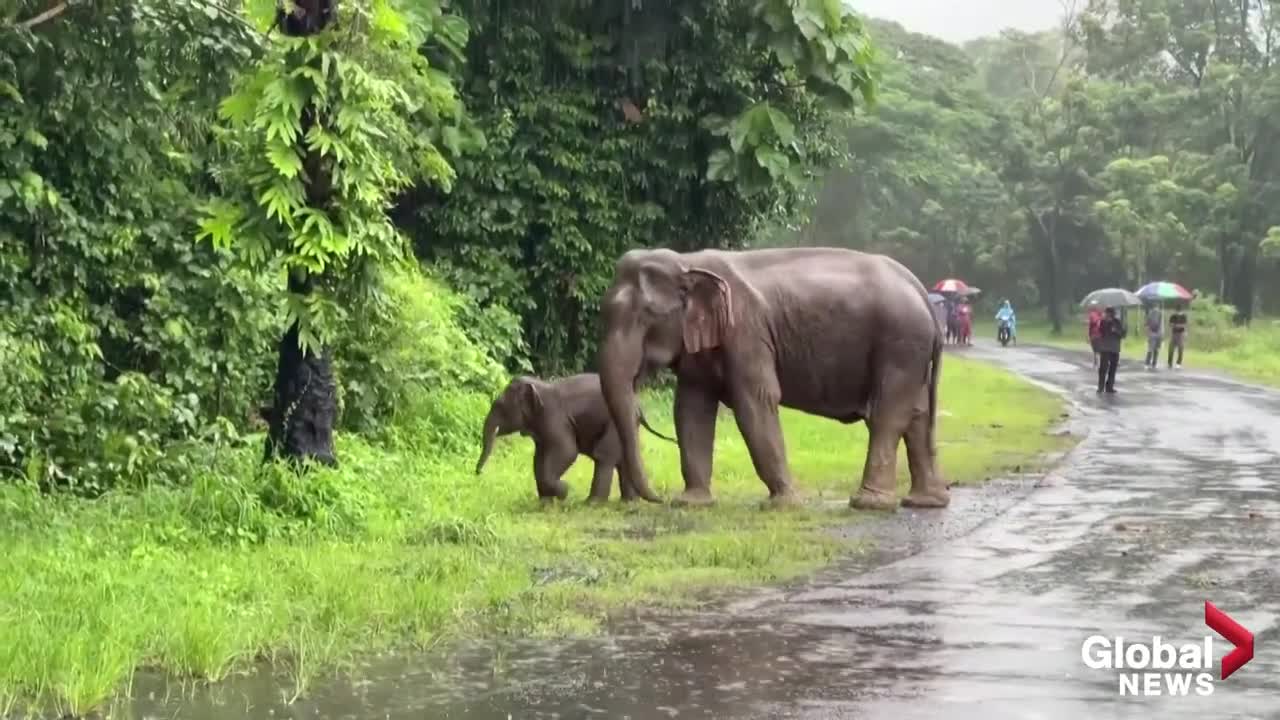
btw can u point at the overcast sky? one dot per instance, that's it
(962, 20)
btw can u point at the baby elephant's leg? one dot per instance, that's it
(602, 481)
(550, 461)
(607, 455)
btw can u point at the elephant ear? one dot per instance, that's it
(708, 312)
(530, 400)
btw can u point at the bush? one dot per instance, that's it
(408, 360)
(19, 372)
(407, 371)
(64, 424)
(1213, 324)
(244, 501)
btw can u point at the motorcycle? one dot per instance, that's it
(1004, 334)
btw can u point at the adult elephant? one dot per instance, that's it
(836, 333)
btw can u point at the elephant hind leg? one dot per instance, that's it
(928, 489)
(602, 480)
(891, 415)
(878, 490)
(607, 455)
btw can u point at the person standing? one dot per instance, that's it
(1154, 323)
(1177, 335)
(1094, 332)
(1113, 332)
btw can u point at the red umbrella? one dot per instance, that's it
(951, 285)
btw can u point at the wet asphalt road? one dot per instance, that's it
(978, 611)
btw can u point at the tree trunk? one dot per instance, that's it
(305, 407)
(1243, 285)
(1051, 286)
(1047, 235)
(1224, 269)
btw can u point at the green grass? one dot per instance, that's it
(1251, 354)
(409, 547)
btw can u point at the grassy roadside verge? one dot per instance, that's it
(416, 549)
(1251, 354)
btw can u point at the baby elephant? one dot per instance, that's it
(565, 418)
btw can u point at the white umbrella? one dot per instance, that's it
(1111, 297)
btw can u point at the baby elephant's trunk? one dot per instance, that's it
(490, 434)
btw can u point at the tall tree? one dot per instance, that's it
(1222, 53)
(920, 182)
(305, 405)
(331, 125)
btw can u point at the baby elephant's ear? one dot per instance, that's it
(708, 310)
(530, 400)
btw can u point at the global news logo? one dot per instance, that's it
(1161, 668)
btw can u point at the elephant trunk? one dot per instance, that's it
(491, 429)
(619, 362)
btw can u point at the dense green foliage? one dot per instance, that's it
(616, 124)
(119, 333)
(1135, 143)
(181, 182)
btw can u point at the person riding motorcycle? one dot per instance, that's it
(1006, 315)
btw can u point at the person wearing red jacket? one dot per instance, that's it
(965, 321)
(1095, 332)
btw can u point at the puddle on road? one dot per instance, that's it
(682, 674)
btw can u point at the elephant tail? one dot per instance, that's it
(935, 371)
(645, 422)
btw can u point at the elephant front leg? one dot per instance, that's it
(696, 409)
(550, 461)
(757, 416)
(928, 489)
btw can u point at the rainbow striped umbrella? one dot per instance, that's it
(1161, 291)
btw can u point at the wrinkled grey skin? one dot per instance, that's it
(831, 332)
(565, 418)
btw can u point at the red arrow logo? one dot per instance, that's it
(1235, 634)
